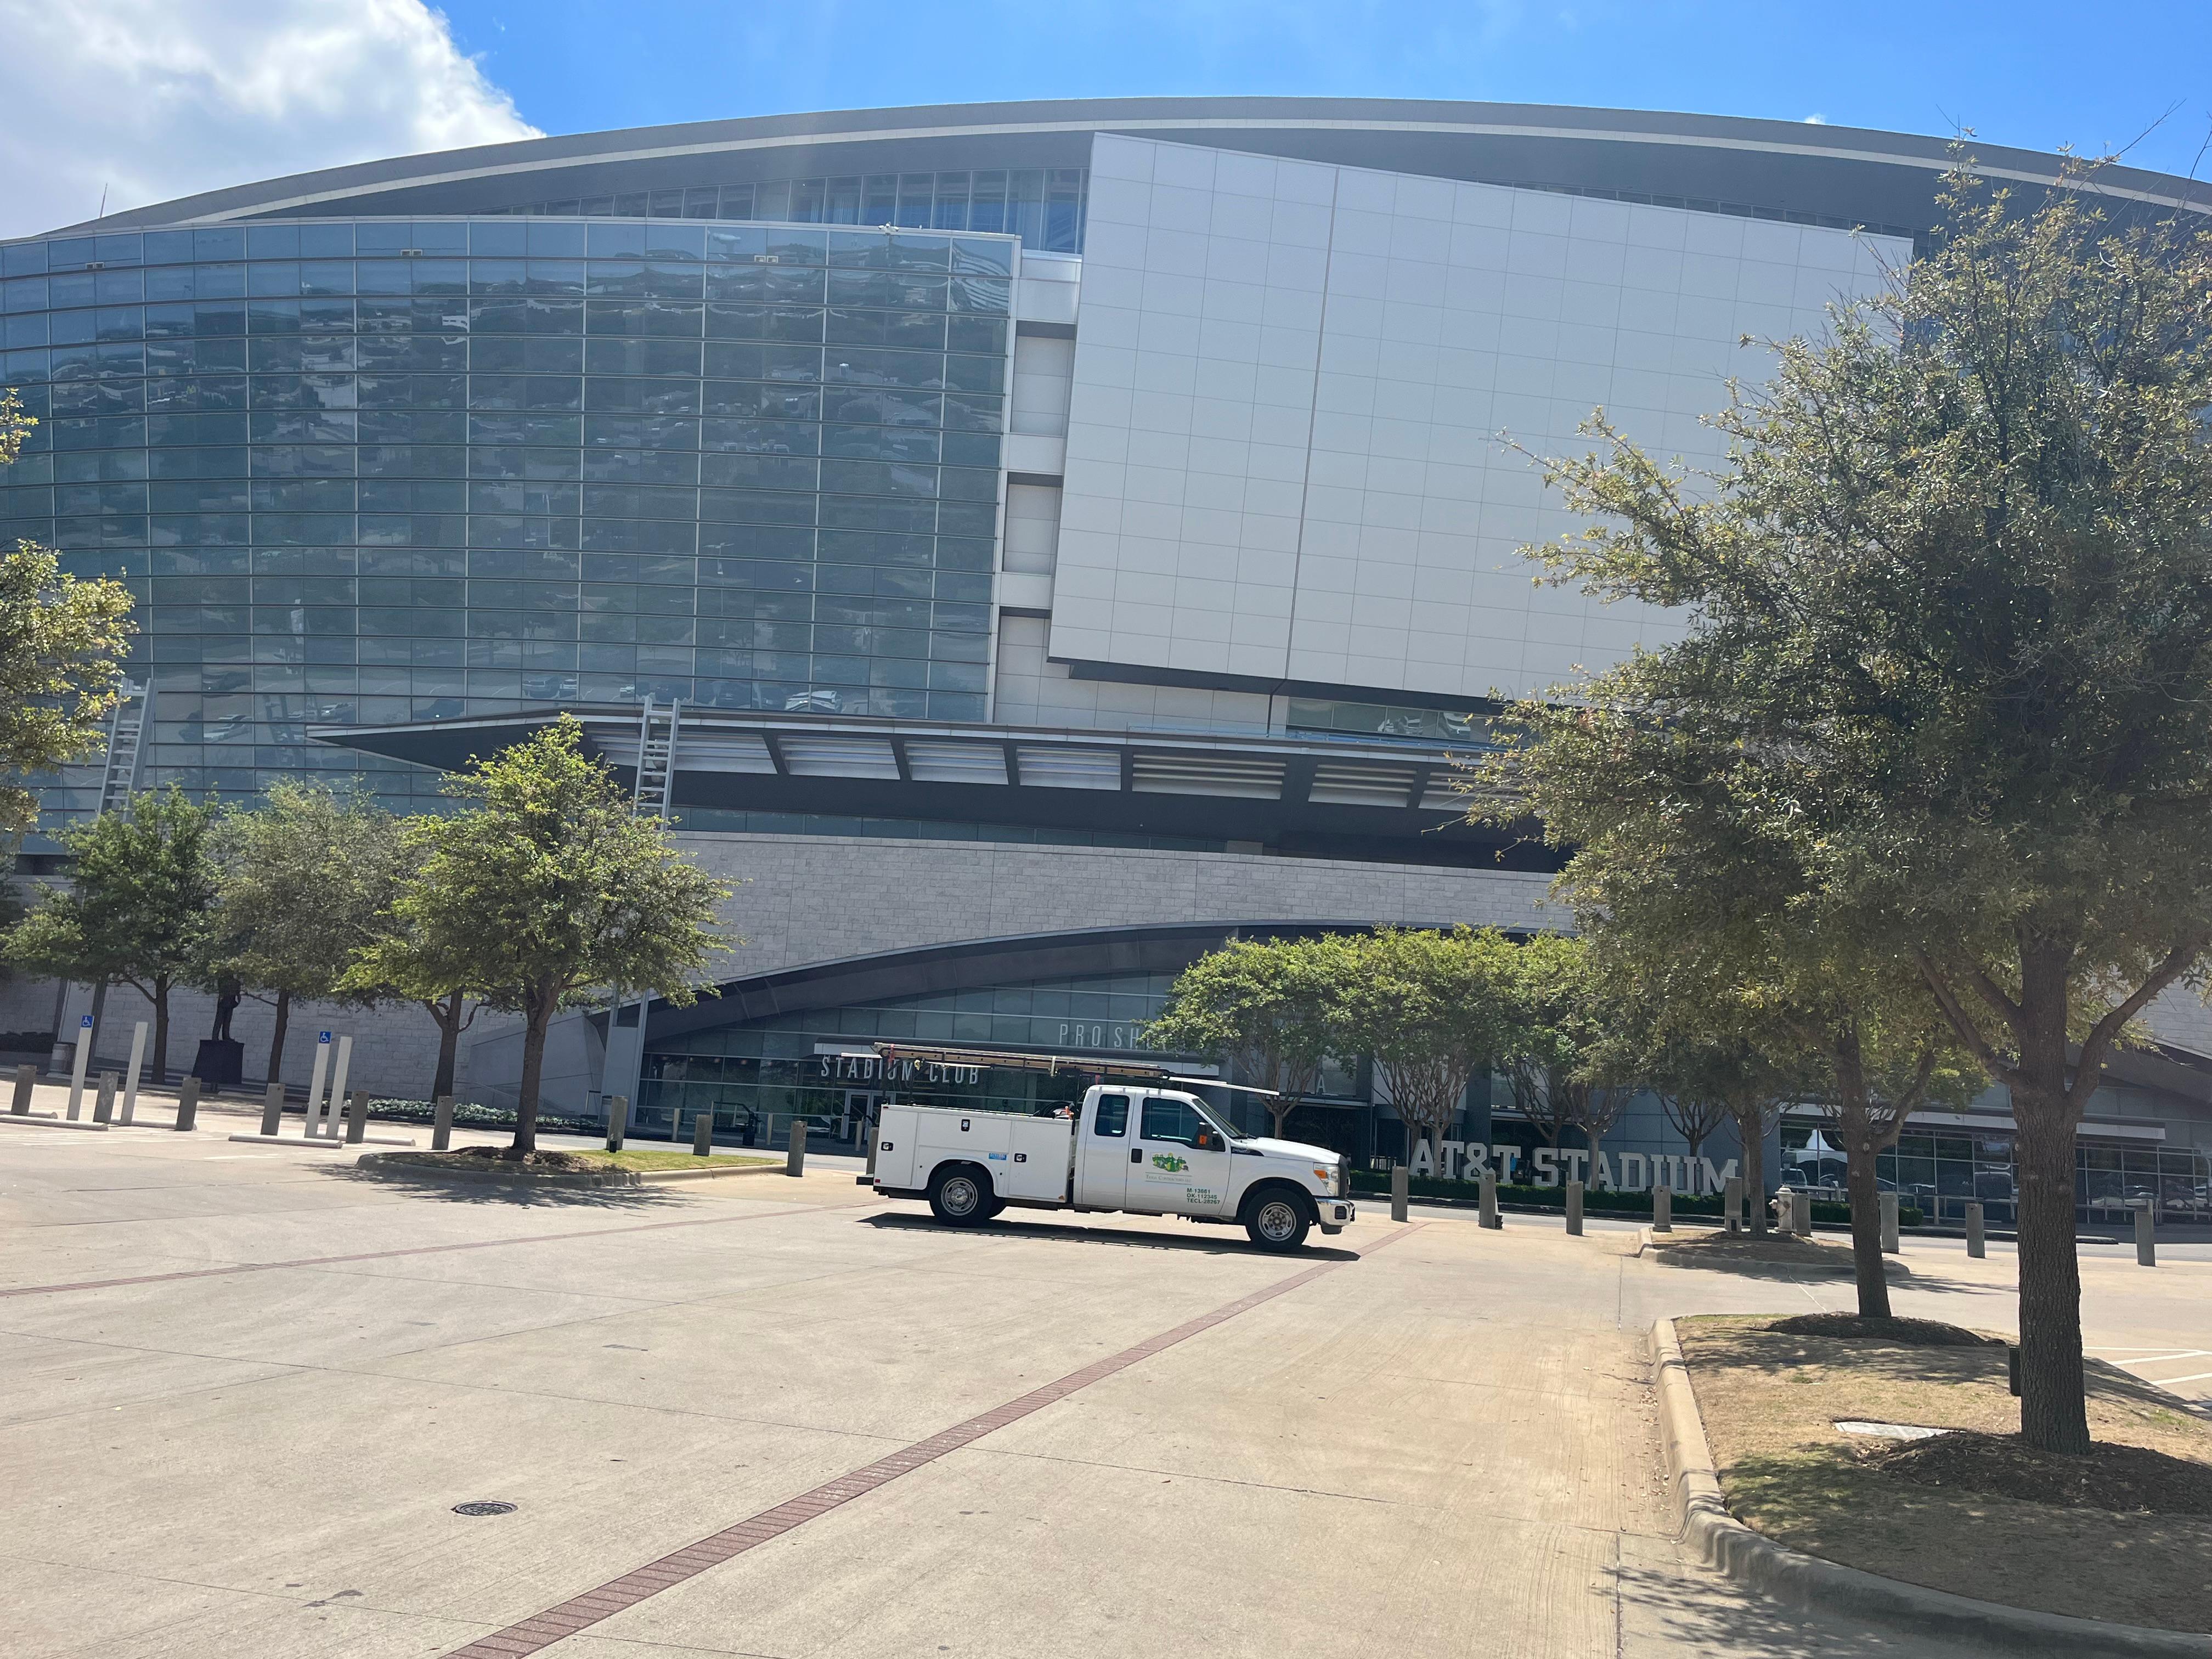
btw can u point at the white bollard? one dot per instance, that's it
(315, 1081)
(130, 1077)
(1975, 1245)
(77, 1066)
(1889, 1239)
(338, 1085)
(2146, 1236)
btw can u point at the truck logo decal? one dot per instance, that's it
(1168, 1162)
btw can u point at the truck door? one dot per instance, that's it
(1102, 1154)
(1179, 1164)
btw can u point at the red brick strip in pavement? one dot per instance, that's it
(542, 1630)
(420, 1249)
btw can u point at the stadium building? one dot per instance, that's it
(1023, 543)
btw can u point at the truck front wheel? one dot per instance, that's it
(1277, 1222)
(960, 1197)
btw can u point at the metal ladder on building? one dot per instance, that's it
(126, 742)
(656, 758)
(651, 796)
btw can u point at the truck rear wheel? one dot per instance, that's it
(1277, 1222)
(960, 1196)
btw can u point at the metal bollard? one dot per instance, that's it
(870, 1126)
(27, 1078)
(272, 1109)
(618, 1120)
(1488, 1215)
(1975, 1246)
(441, 1124)
(356, 1116)
(1401, 1189)
(702, 1134)
(2146, 1240)
(794, 1161)
(103, 1109)
(1574, 1209)
(2012, 1369)
(1732, 1203)
(188, 1103)
(1662, 1209)
(1889, 1240)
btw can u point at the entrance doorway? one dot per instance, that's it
(859, 1113)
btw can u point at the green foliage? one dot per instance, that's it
(1564, 1069)
(62, 646)
(1433, 1009)
(1271, 1006)
(1939, 717)
(302, 878)
(544, 887)
(135, 910)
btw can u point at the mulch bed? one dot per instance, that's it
(2125, 1480)
(1899, 1333)
(483, 1161)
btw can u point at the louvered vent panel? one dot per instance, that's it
(956, 762)
(838, 758)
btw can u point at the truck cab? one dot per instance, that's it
(1138, 1146)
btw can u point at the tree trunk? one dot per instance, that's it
(534, 1064)
(1752, 1133)
(160, 1074)
(2053, 1411)
(449, 1039)
(1279, 1116)
(1866, 1229)
(277, 1036)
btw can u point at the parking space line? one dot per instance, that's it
(542, 1630)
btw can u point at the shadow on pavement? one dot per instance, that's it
(1695, 1612)
(510, 1195)
(1076, 1234)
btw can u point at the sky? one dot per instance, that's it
(144, 100)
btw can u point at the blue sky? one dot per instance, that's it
(2034, 75)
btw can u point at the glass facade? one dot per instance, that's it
(379, 471)
(1044, 206)
(1943, 1172)
(744, 1073)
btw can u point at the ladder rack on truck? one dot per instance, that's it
(1014, 1059)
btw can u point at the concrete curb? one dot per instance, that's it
(323, 1143)
(396, 1163)
(48, 1120)
(1810, 1585)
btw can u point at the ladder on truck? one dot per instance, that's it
(126, 742)
(1015, 1060)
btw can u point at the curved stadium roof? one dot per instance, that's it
(1775, 169)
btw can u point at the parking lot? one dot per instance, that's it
(243, 1390)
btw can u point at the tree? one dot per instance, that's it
(1270, 1006)
(62, 646)
(136, 907)
(543, 887)
(429, 966)
(1434, 1010)
(1559, 1068)
(1949, 629)
(301, 878)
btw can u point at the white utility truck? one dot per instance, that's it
(1135, 1143)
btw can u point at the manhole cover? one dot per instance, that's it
(1888, 1431)
(484, 1506)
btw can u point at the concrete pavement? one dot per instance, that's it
(1442, 1445)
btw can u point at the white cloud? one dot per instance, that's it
(155, 99)
(1816, 120)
